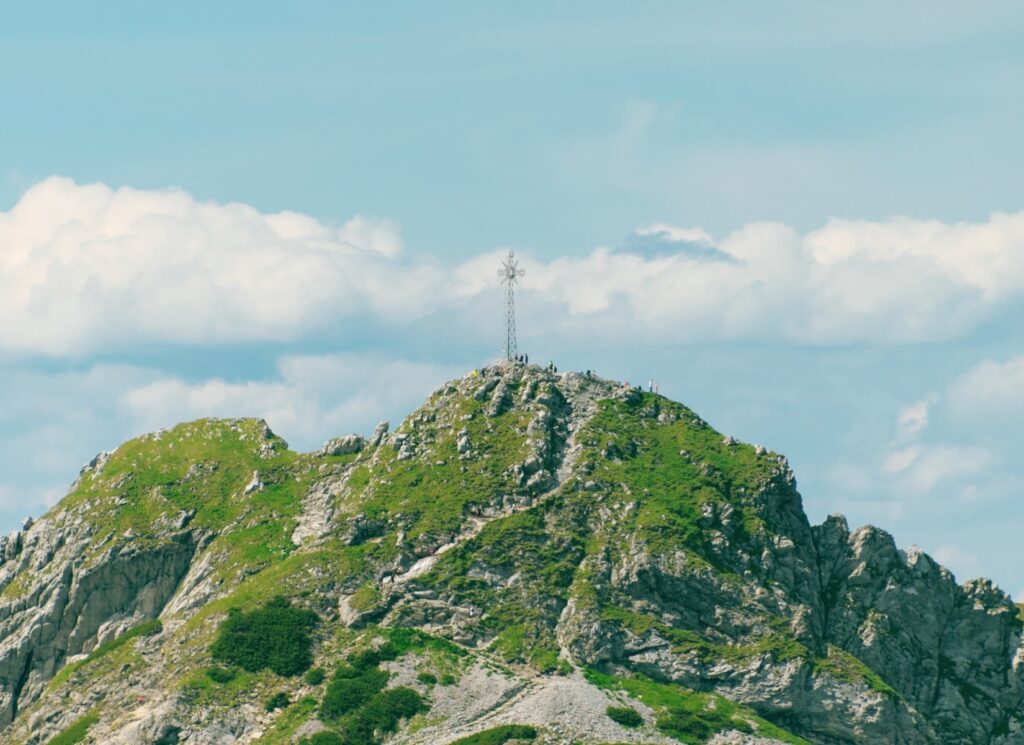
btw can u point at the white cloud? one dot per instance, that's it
(313, 397)
(941, 465)
(87, 267)
(896, 281)
(913, 419)
(900, 460)
(675, 233)
(990, 389)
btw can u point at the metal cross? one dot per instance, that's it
(510, 274)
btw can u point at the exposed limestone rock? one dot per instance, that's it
(379, 433)
(343, 445)
(547, 524)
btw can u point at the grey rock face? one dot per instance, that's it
(834, 634)
(379, 433)
(951, 651)
(343, 445)
(76, 602)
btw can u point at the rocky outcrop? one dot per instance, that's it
(553, 526)
(951, 651)
(76, 601)
(346, 445)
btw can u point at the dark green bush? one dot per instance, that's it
(315, 676)
(383, 712)
(697, 725)
(499, 735)
(625, 716)
(278, 701)
(276, 636)
(355, 730)
(323, 738)
(372, 657)
(448, 679)
(427, 678)
(220, 674)
(349, 689)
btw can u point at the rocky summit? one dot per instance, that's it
(530, 556)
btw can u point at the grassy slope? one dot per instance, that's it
(203, 467)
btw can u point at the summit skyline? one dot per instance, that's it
(804, 222)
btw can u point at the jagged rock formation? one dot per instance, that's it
(576, 545)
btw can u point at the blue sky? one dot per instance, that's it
(803, 219)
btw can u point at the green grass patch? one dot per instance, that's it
(432, 498)
(146, 628)
(672, 470)
(845, 666)
(288, 722)
(275, 637)
(76, 732)
(688, 716)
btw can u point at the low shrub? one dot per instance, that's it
(499, 735)
(276, 636)
(278, 701)
(315, 676)
(220, 674)
(323, 738)
(427, 678)
(368, 658)
(625, 716)
(384, 711)
(349, 689)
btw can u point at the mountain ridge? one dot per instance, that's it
(582, 541)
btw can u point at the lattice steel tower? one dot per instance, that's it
(510, 274)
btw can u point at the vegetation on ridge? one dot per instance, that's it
(687, 716)
(649, 549)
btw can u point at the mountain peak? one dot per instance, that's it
(524, 537)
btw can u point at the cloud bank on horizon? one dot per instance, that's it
(90, 272)
(89, 267)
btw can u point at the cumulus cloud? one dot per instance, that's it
(913, 419)
(900, 460)
(311, 398)
(87, 267)
(895, 281)
(927, 468)
(990, 388)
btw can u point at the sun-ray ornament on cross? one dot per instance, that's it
(510, 274)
